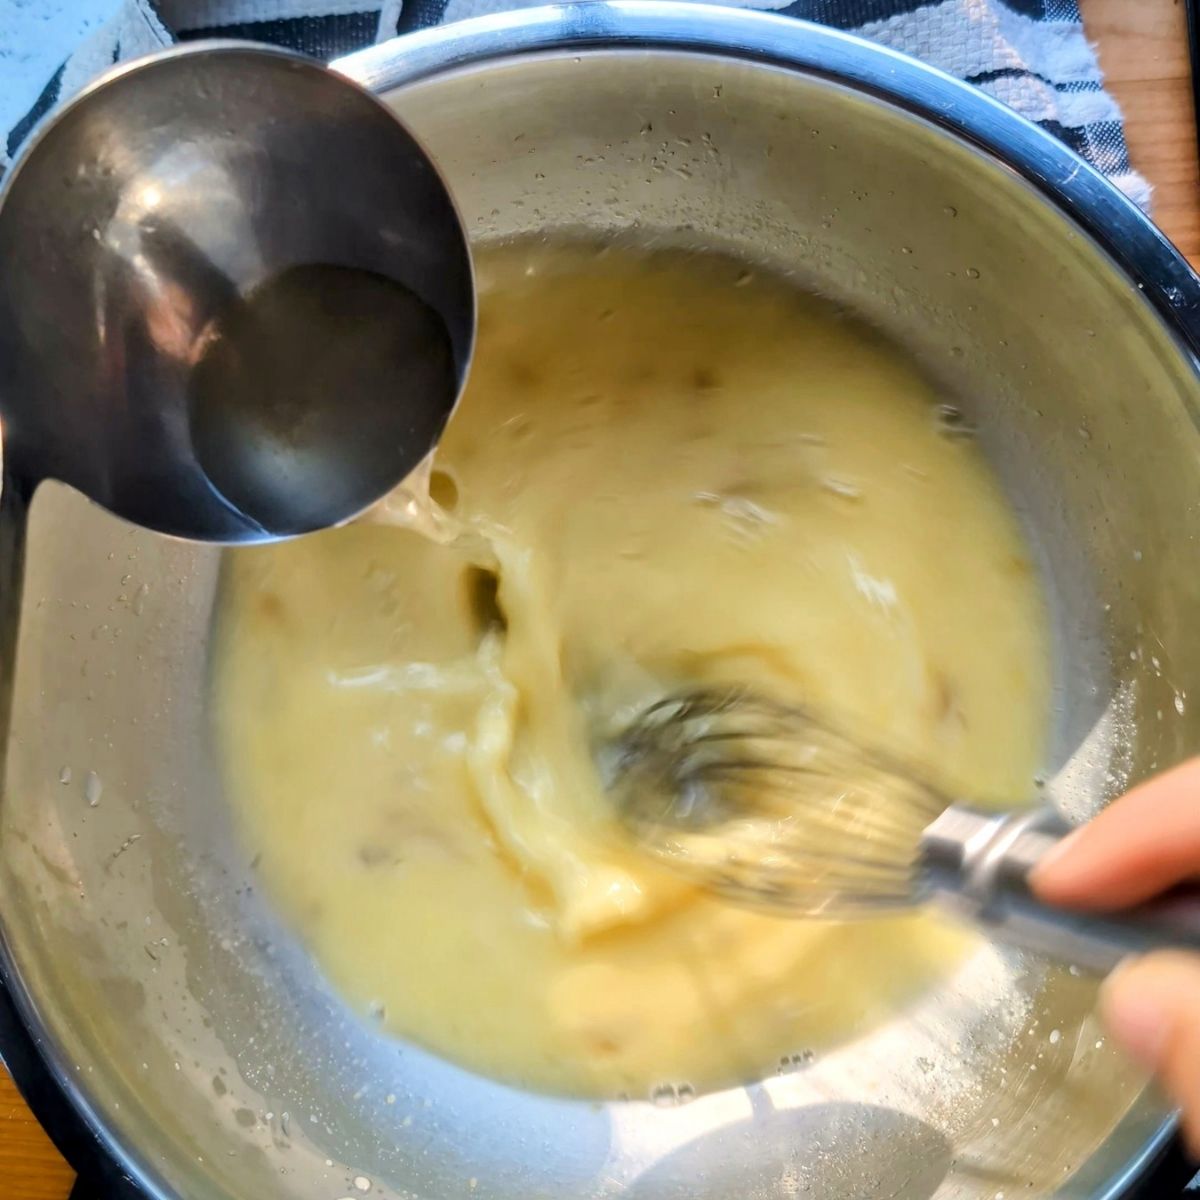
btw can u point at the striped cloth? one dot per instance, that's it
(1030, 54)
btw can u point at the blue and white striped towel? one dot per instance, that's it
(1031, 54)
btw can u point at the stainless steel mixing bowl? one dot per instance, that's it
(188, 1029)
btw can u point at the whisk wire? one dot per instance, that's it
(766, 804)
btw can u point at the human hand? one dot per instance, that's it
(1142, 844)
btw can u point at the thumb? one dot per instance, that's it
(1151, 1007)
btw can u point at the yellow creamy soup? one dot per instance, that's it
(670, 471)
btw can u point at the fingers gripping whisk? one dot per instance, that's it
(773, 807)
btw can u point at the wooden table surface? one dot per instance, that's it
(1144, 53)
(1143, 50)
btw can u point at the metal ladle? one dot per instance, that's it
(236, 301)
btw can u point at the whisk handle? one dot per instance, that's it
(978, 865)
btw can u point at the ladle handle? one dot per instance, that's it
(978, 864)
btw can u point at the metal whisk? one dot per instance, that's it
(775, 808)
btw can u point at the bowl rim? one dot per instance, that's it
(1137, 249)
(1127, 236)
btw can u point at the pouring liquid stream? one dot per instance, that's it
(412, 506)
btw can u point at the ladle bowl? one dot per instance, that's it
(236, 300)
